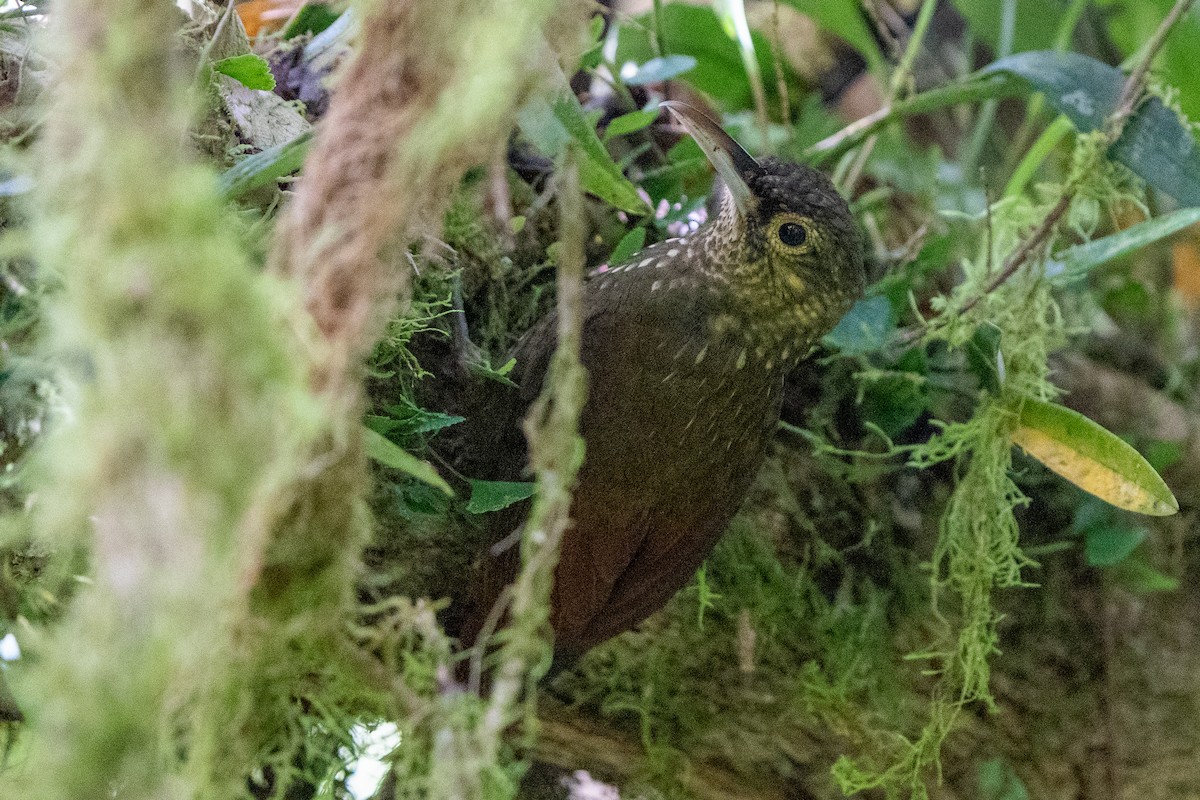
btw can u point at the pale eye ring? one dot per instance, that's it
(793, 234)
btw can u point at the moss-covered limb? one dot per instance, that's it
(555, 454)
(184, 396)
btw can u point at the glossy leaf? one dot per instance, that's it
(1092, 458)
(489, 496)
(250, 70)
(865, 327)
(1131, 25)
(312, 19)
(661, 68)
(984, 357)
(388, 453)
(1075, 262)
(695, 32)
(630, 243)
(1154, 144)
(409, 420)
(629, 123)
(264, 168)
(551, 123)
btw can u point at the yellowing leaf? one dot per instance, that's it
(1092, 458)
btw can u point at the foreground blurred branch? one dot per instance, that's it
(183, 395)
(432, 92)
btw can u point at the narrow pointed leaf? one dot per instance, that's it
(1092, 458)
(660, 69)
(630, 243)
(1111, 544)
(551, 123)
(1077, 261)
(628, 123)
(264, 168)
(392, 455)
(1155, 143)
(494, 495)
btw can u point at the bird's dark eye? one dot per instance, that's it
(792, 234)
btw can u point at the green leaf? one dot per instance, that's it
(865, 327)
(696, 32)
(732, 14)
(489, 496)
(1077, 261)
(1131, 25)
(312, 18)
(552, 123)
(628, 123)
(594, 54)
(250, 70)
(659, 69)
(895, 402)
(998, 781)
(1107, 545)
(484, 369)
(410, 420)
(392, 455)
(1092, 458)
(983, 356)
(264, 168)
(1155, 143)
(630, 243)
(1138, 576)
(420, 499)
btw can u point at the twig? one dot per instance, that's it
(552, 428)
(954, 94)
(1132, 91)
(1021, 255)
(1130, 95)
(899, 78)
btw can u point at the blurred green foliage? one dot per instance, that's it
(892, 527)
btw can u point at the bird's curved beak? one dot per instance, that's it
(735, 166)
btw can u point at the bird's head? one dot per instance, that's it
(788, 235)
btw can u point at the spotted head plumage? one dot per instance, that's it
(783, 236)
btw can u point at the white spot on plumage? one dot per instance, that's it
(654, 287)
(700, 356)
(674, 251)
(741, 360)
(646, 262)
